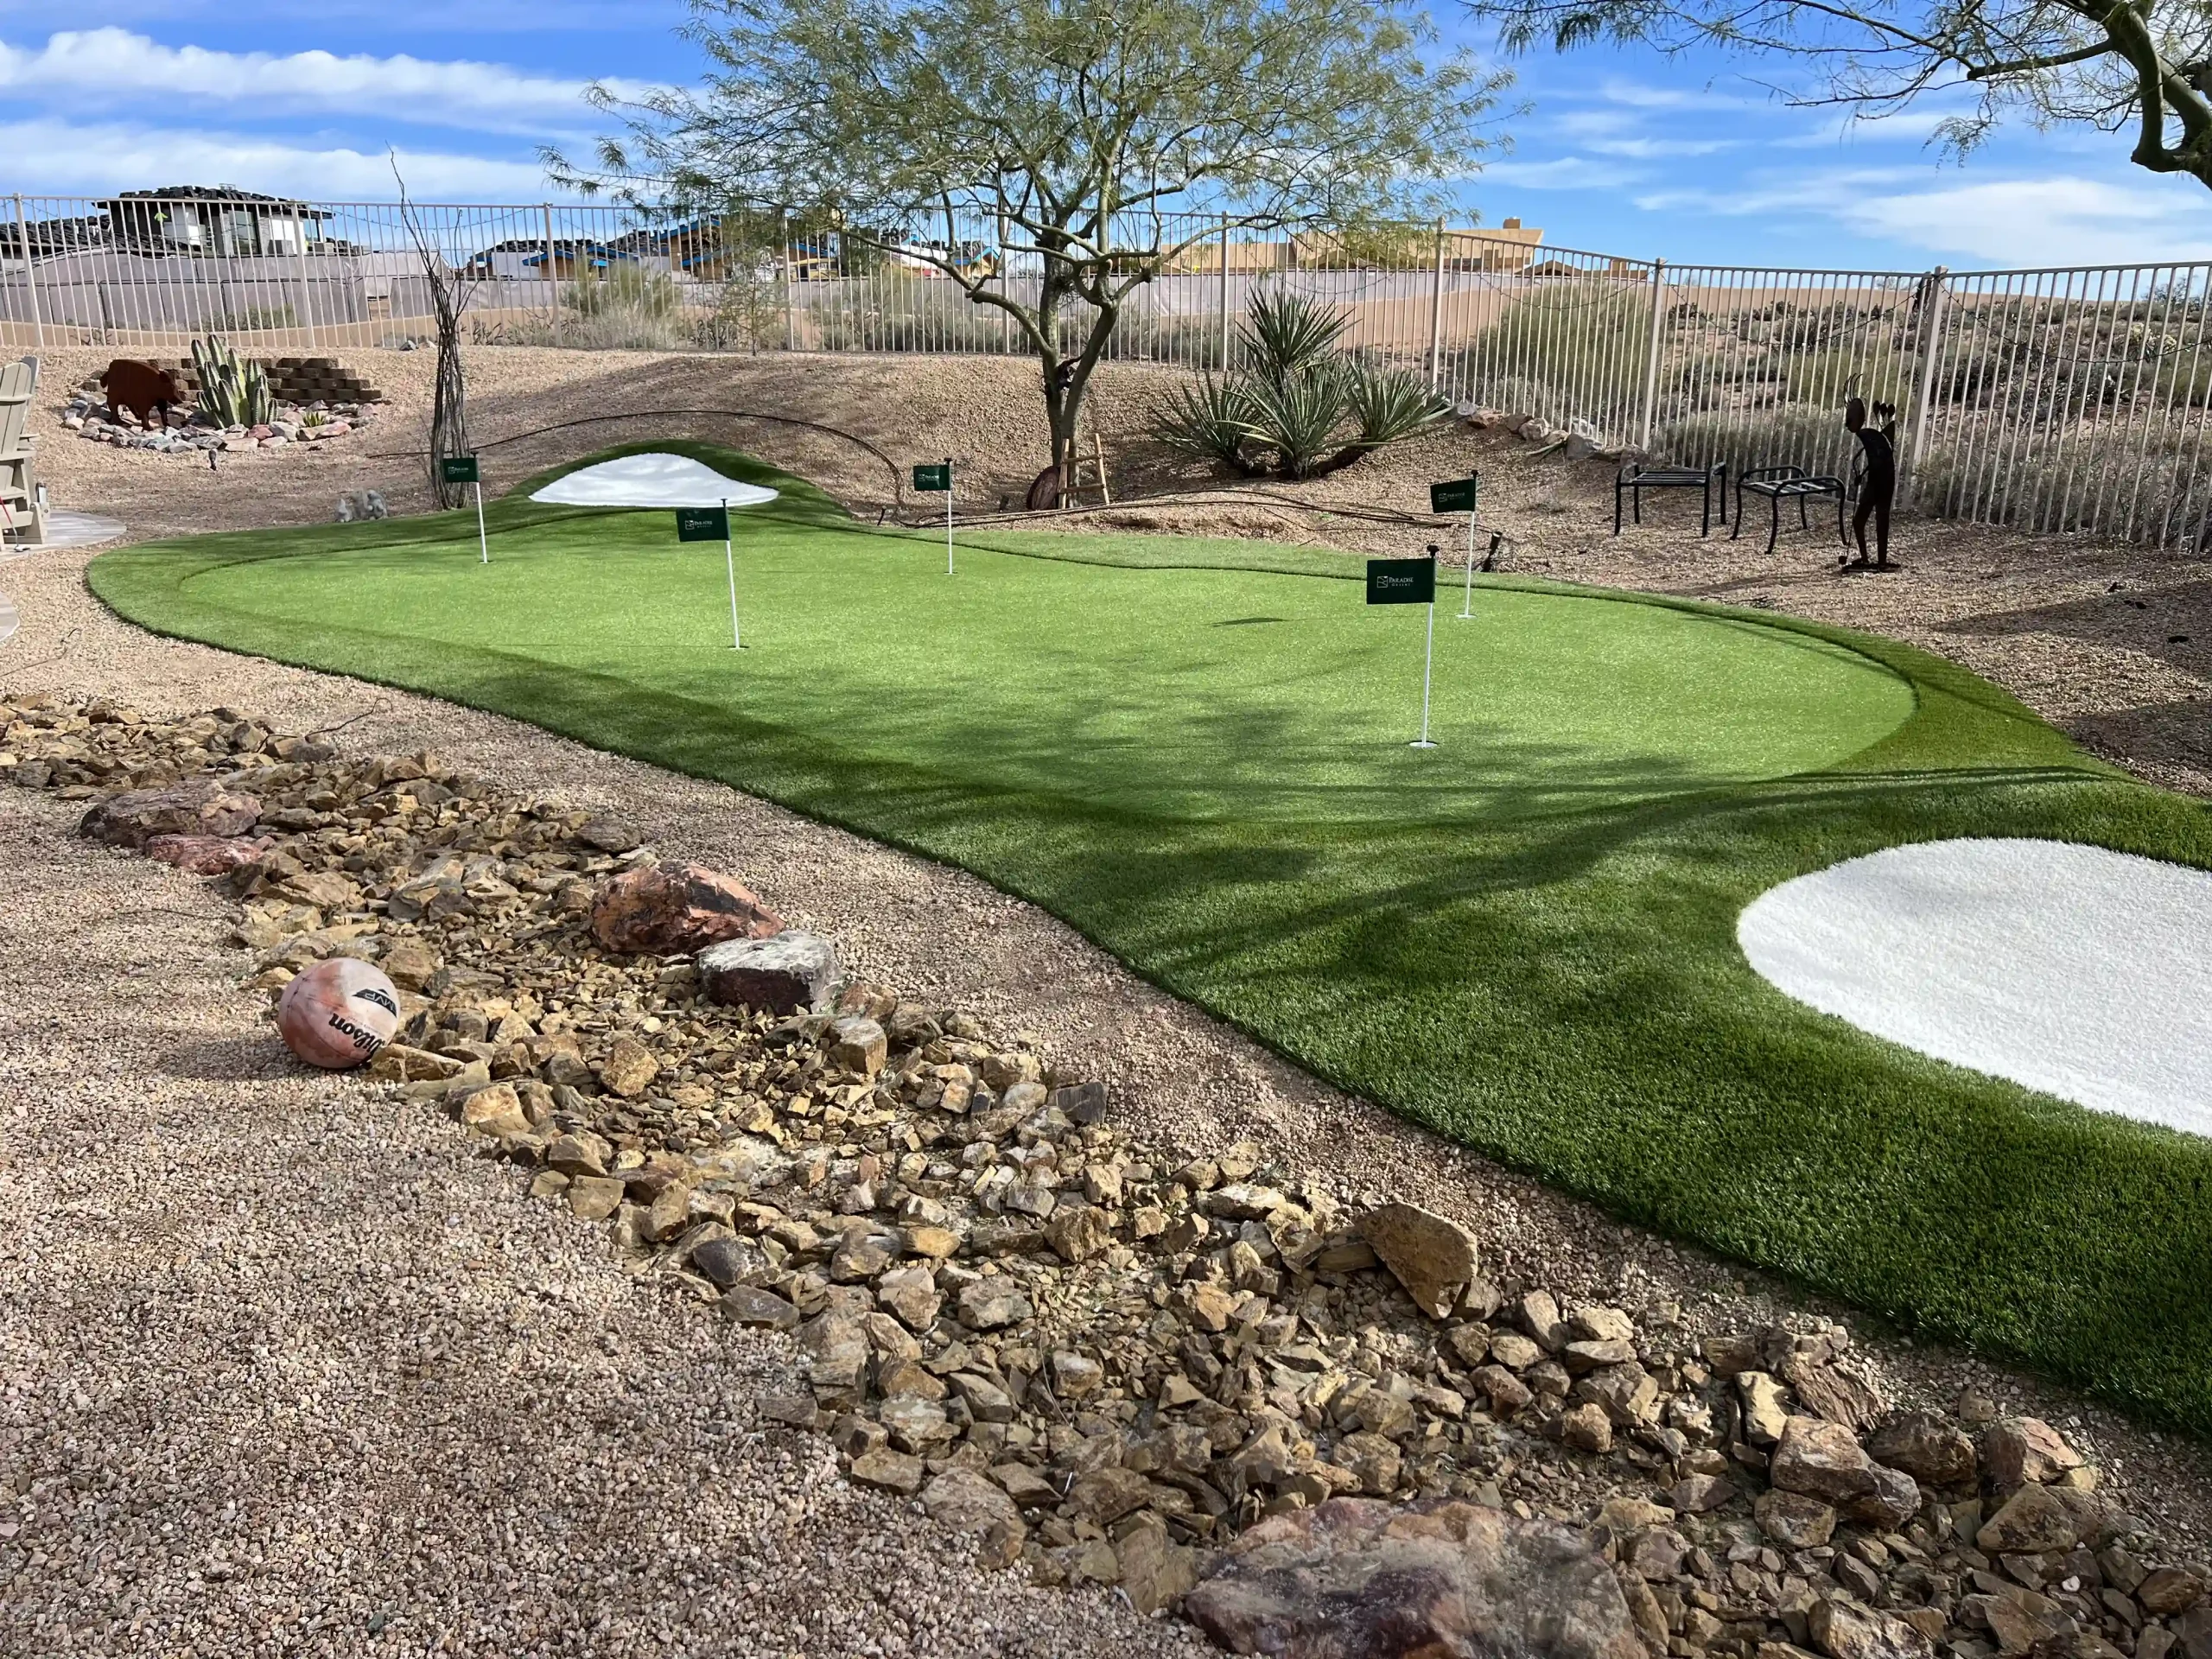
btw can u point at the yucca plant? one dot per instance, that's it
(231, 393)
(1286, 334)
(1297, 416)
(1392, 404)
(1305, 408)
(1207, 420)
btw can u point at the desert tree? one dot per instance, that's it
(449, 290)
(2116, 65)
(1085, 136)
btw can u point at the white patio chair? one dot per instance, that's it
(23, 517)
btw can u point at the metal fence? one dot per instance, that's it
(2060, 399)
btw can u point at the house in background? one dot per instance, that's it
(220, 219)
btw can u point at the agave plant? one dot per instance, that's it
(1207, 419)
(231, 393)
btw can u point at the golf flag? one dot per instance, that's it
(703, 523)
(459, 469)
(1402, 581)
(1452, 495)
(933, 476)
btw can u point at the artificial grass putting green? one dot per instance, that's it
(1196, 752)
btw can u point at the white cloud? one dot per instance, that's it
(1647, 149)
(112, 67)
(2007, 223)
(2050, 221)
(1565, 173)
(94, 159)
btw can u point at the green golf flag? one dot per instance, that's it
(935, 476)
(703, 523)
(1452, 495)
(1400, 582)
(459, 469)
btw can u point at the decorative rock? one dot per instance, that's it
(594, 1198)
(888, 1470)
(2169, 1589)
(857, 1046)
(1926, 1447)
(1433, 1257)
(1105, 1496)
(1156, 1574)
(911, 1294)
(1794, 1520)
(629, 1068)
(1821, 1461)
(1766, 1409)
(965, 1502)
(1355, 1579)
(206, 854)
(2023, 1451)
(991, 1303)
(660, 910)
(1844, 1630)
(396, 1062)
(1078, 1231)
(790, 973)
(2032, 1520)
(749, 1304)
(1587, 1428)
(137, 816)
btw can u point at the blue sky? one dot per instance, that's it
(1620, 152)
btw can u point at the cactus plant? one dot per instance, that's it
(231, 393)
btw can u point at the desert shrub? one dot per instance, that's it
(1572, 348)
(1801, 434)
(2137, 485)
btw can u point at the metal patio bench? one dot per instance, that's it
(1780, 484)
(1636, 478)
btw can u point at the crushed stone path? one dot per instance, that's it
(283, 1371)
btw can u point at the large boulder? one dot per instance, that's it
(1359, 1578)
(664, 910)
(207, 854)
(791, 973)
(201, 808)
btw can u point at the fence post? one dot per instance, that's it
(30, 275)
(552, 280)
(307, 286)
(1931, 328)
(1652, 351)
(790, 323)
(1436, 314)
(1224, 295)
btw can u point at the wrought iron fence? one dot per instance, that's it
(2051, 400)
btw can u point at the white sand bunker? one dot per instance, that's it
(651, 481)
(2083, 973)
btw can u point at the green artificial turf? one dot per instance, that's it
(1196, 752)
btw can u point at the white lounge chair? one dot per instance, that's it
(22, 516)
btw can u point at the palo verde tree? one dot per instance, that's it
(2113, 65)
(1075, 132)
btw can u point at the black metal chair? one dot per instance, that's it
(1635, 478)
(1780, 484)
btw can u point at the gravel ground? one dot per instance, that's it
(345, 1194)
(282, 1367)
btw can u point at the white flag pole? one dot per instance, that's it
(1428, 664)
(948, 515)
(1467, 604)
(729, 563)
(483, 542)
